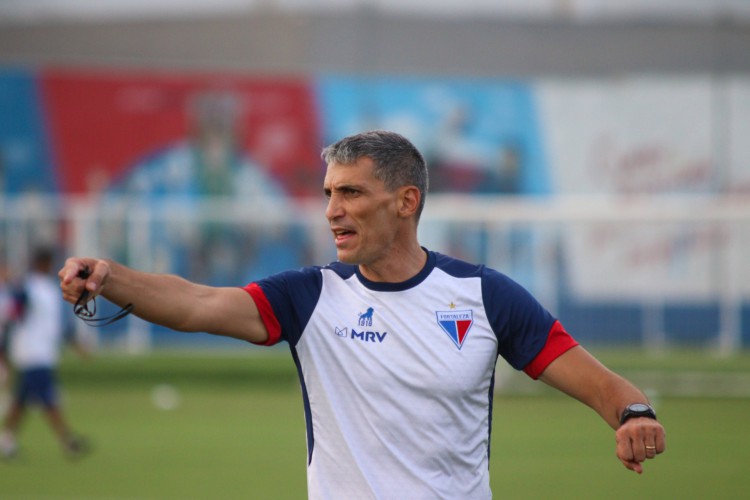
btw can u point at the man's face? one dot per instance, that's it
(361, 212)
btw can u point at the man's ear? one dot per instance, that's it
(408, 201)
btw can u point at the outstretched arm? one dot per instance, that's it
(580, 375)
(167, 300)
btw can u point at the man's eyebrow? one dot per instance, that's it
(342, 187)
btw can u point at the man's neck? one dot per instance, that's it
(399, 266)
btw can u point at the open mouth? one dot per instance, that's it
(341, 234)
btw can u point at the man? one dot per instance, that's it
(395, 345)
(6, 306)
(34, 338)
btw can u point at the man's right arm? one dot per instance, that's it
(167, 300)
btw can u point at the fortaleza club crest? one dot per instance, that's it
(456, 324)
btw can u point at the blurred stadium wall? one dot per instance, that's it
(595, 151)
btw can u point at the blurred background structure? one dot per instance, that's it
(597, 151)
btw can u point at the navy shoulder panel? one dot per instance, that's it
(457, 268)
(293, 296)
(345, 271)
(520, 322)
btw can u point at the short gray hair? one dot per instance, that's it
(397, 161)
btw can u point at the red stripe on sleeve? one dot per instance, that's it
(266, 314)
(558, 342)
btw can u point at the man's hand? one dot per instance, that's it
(73, 284)
(639, 439)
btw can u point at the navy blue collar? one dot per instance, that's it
(384, 286)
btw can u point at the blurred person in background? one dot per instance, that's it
(5, 312)
(395, 345)
(32, 344)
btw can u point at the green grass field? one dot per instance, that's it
(237, 431)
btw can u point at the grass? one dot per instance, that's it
(238, 432)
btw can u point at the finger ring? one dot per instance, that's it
(650, 447)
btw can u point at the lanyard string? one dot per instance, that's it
(85, 309)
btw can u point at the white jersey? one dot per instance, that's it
(35, 338)
(397, 379)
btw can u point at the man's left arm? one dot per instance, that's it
(580, 375)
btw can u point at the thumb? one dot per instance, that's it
(633, 465)
(99, 275)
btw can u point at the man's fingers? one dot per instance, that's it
(70, 286)
(70, 270)
(634, 466)
(73, 282)
(97, 278)
(629, 456)
(639, 440)
(660, 442)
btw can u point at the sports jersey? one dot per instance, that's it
(35, 339)
(397, 378)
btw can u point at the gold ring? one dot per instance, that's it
(650, 447)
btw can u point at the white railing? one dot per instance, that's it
(653, 252)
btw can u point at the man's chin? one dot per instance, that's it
(346, 257)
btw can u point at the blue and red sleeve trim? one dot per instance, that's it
(266, 314)
(558, 342)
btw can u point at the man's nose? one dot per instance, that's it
(333, 209)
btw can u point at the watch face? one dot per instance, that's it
(638, 407)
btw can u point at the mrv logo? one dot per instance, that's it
(364, 336)
(369, 336)
(363, 319)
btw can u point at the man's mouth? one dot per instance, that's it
(342, 234)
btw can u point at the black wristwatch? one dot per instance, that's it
(637, 410)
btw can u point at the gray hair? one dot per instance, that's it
(397, 161)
